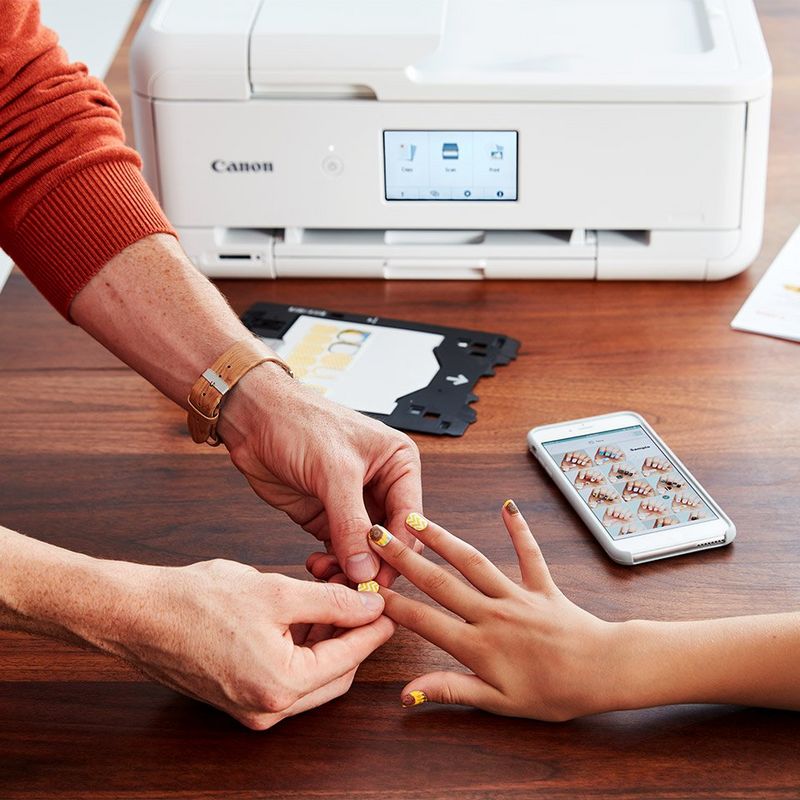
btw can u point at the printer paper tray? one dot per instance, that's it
(463, 255)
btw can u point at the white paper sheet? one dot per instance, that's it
(773, 308)
(363, 367)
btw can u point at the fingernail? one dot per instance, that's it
(362, 567)
(368, 586)
(511, 507)
(371, 600)
(415, 698)
(380, 535)
(416, 521)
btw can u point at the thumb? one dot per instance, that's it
(348, 526)
(332, 604)
(452, 688)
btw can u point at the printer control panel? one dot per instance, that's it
(450, 165)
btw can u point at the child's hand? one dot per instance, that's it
(532, 652)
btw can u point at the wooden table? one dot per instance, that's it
(103, 475)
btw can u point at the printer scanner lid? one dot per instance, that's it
(454, 50)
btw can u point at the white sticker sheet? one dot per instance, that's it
(364, 367)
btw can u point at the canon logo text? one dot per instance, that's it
(218, 165)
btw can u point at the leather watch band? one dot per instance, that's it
(211, 387)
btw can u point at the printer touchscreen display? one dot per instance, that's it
(450, 165)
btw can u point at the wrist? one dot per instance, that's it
(253, 402)
(650, 661)
(603, 681)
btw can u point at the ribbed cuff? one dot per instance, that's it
(78, 227)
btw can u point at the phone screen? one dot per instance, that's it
(628, 482)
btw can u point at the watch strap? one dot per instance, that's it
(208, 392)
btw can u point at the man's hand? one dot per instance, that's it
(259, 646)
(247, 642)
(332, 470)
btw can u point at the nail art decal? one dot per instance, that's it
(380, 535)
(576, 460)
(602, 495)
(416, 521)
(415, 698)
(368, 586)
(511, 507)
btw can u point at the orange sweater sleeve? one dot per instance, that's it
(72, 195)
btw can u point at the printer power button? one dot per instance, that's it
(332, 166)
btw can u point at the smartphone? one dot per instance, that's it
(633, 493)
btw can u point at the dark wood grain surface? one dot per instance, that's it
(86, 467)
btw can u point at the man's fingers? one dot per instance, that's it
(444, 587)
(326, 661)
(452, 688)
(468, 560)
(330, 604)
(348, 524)
(323, 566)
(399, 481)
(319, 631)
(534, 571)
(308, 701)
(438, 628)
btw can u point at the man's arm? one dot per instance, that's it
(37, 588)
(174, 625)
(334, 471)
(152, 309)
(79, 220)
(71, 193)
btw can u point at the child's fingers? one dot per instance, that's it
(468, 560)
(438, 628)
(387, 575)
(534, 571)
(439, 584)
(453, 688)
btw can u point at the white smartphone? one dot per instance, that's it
(633, 493)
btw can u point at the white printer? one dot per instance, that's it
(457, 138)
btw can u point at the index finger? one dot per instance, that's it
(388, 574)
(468, 560)
(439, 584)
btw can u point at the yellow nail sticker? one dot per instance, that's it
(416, 521)
(336, 360)
(368, 586)
(380, 535)
(415, 698)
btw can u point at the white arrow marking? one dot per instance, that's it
(458, 380)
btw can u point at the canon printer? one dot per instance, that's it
(457, 138)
